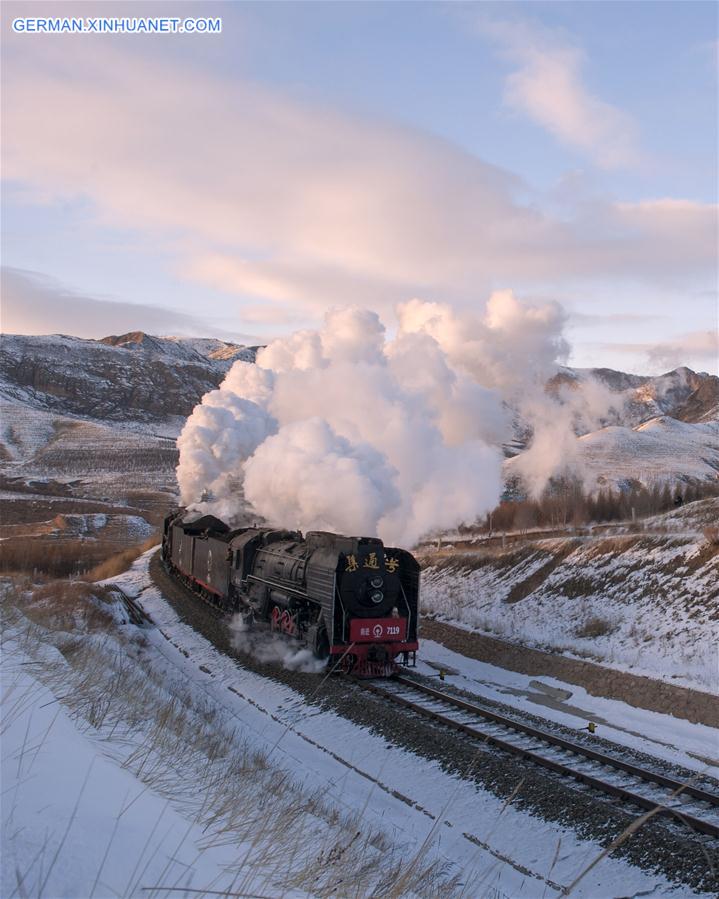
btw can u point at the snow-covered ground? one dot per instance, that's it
(675, 740)
(120, 529)
(30, 435)
(76, 822)
(109, 808)
(60, 473)
(646, 603)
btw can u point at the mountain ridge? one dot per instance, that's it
(150, 384)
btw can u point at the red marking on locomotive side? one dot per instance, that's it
(207, 586)
(195, 580)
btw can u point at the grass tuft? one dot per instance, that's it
(595, 626)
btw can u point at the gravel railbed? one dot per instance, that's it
(582, 737)
(681, 856)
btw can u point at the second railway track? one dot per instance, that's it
(695, 807)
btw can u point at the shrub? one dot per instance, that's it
(711, 534)
(595, 626)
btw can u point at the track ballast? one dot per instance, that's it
(694, 807)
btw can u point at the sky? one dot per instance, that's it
(316, 155)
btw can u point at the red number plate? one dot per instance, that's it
(373, 630)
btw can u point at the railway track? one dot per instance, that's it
(695, 807)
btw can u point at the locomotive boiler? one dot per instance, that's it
(351, 600)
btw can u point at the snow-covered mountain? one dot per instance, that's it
(634, 429)
(657, 428)
(219, 353)
(659, 451)
(133, 377)
(682, 393)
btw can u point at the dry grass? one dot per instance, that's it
(595, 626)
(92, 559)
(535, 580)
(122, 560)
(70, 606)
(616, 545)
(493, 557)
(183, 745)
(711, 535)
(55, 557)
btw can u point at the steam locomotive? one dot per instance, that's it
(351, 600)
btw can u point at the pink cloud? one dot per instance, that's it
(264, 195)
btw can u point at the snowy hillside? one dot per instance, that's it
(183, 349)
(661, 450)
(646, 601)
(135, 377)
(631, 430)
(143, 761)
(75, 491)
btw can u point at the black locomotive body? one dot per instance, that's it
(351, 600)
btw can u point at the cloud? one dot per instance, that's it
(417, 448)
(586, 320)
(35, 304)
(697, 345)
(288, 203)
(547, 86)
(697, 349)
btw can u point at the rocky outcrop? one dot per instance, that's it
(702, 404)
(106, 380)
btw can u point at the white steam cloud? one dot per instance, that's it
(272, 649)
(555, 421)
(341, 429)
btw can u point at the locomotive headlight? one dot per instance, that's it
(376, 582)
(377, 597)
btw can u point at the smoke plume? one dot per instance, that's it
(342, 429)
(272, 649)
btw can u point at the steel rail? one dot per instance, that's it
(595, 755)
(678, 787)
